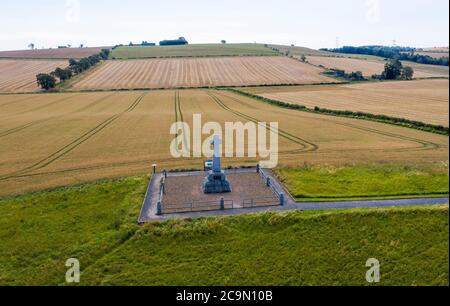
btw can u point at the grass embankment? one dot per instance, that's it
(432, 128)
(196, 50)
(365, 182)
(97, 224)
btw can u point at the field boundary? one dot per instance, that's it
(426, 127)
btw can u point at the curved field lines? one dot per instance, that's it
(423, 100)
(90, 136)
(65, 53)
(200, 72)
(20, 75)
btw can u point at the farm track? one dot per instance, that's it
(306, 145)
(74, 144)
(27, 125)
(424, 145)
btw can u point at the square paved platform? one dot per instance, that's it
(184, 193)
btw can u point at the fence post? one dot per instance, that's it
(258, 168)
(268, 182)
(165, 173)
(222, 204)
(282, 199)
(159, 209)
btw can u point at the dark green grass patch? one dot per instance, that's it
(39, 232)
(96, 224)
(196, 50)
(292, 248)
(365, 182)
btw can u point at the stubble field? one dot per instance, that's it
(63, 139)
(20, 75)
(422, 100)
(200, 72)
(371, 67)
(65, 53)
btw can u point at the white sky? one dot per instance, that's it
(315, 24)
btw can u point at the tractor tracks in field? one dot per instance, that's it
(423, 144)
(74, 144)
(306, 146)
(32, 123)
(179, 119)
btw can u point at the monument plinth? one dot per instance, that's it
(216, 181)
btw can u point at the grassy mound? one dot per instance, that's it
(97, 224)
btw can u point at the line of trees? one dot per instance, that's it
(48, 81)
(401, 53)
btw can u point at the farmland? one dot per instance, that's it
(96, 223)
(20, 75)
(51, 140)
(66, 53)
(200, 72)
(422, 100)
(371, 67)
(196, 50)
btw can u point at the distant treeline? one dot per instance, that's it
(48, 81)
(401, 53)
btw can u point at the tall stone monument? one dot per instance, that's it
(216, 181)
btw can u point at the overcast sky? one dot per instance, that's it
(315, 24)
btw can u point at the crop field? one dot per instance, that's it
(199, 50)
(422, 100)
(51, 140)
(371, 67)
(200, 72)
(298, 51)
(20, 75)
(66, 53)
(435, 54)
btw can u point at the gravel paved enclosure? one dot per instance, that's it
(200, 72)
(370, 67)
(67, 53)
(51, 140)
(20, 75)
(182, 190)
(423, 100)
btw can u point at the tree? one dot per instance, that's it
(62, 74)
(393, 69)
(223, 42)
(31, 46)
(407, 73)
(46, 81)
(303, 58)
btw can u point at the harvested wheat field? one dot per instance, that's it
(65, 53)
(50, 140)
(200, 72)
(371, 67)
(434, 54)
(20, 75)
(422, 100)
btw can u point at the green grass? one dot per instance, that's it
(200, 50)
(39, 232)
(96, 223)
(365, 182)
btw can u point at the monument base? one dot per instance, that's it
(216, 182)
